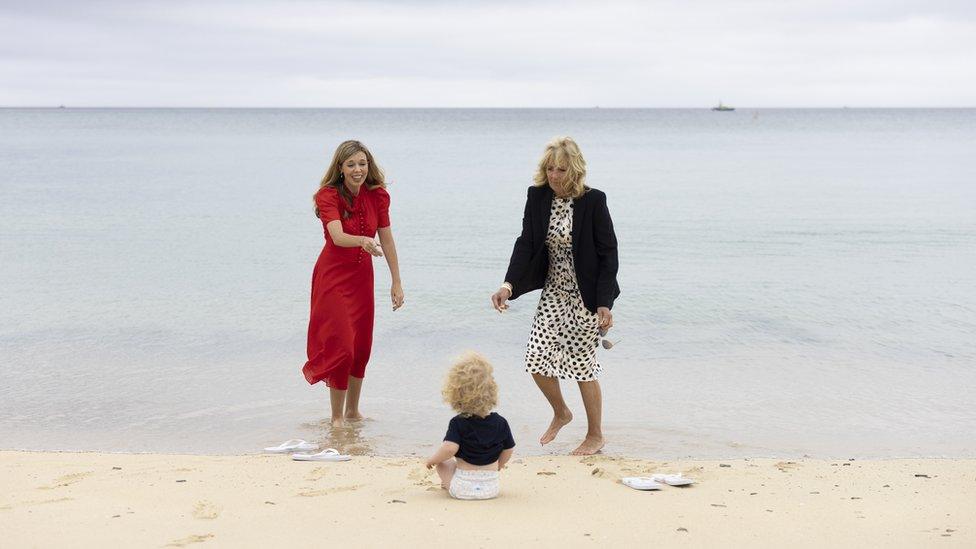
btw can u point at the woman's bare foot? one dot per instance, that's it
(558, 421)
(590, 446)
(337, 422)
(354, 416)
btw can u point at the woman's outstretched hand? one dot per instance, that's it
(396, 294)
(370, 246)
(499, 298)
(605, 318)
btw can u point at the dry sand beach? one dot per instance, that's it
(97, 500)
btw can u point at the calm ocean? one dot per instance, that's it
(794, 282)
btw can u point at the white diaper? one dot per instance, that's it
(474, 484)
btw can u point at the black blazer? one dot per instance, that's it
(594, 248)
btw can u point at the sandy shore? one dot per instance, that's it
(98, 500)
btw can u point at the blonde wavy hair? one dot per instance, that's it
(563, 152)
(333, 175)
(470, 387)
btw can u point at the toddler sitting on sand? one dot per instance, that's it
(478, 442)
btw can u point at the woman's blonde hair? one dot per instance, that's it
(333, 176)
(563, 152)
(470, 387)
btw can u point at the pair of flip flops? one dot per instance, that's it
(654, 482)
(299, 445)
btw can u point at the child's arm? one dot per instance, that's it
(444, 453)
(504, 457)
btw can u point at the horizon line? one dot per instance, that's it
(595, 107)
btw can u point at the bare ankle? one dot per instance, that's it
(590, 445)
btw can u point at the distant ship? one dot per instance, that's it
(722, 107)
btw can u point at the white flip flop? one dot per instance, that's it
(291, 446)
(641, 483)
(672, 480)
(329, 454)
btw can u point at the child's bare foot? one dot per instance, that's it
(558, 421)
(590, 446)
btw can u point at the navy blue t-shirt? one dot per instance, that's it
(481, 439)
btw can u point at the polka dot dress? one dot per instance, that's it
(564, 333)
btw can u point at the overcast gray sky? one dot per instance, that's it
(817, 53)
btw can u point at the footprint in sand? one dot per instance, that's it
(318, 473)
(594, 459)
(785, 466)
(600, 472)
(43, 501)
(66, 480)
(420, 473)
(196, 538)
(316, 493)
(205, 510)
(36, 502)
(424, 477)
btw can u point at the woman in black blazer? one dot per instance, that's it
(569, 250)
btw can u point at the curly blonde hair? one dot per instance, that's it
(564, 153)
(470, 387)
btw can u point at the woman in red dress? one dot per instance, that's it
(353, 205)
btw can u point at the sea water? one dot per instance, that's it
(794, 282)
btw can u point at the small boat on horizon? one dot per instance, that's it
(723, 108)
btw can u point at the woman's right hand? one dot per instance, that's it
(370, 246)
(499, 298)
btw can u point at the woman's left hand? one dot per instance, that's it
(396, 294)
(605, 318)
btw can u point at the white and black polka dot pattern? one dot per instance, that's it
(564, 333)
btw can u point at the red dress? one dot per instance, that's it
(340, 327)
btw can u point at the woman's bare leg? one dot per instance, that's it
(593, 402)
(338, 401)
(560, 412)
(352, 398)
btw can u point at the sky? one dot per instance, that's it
(654, 54)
